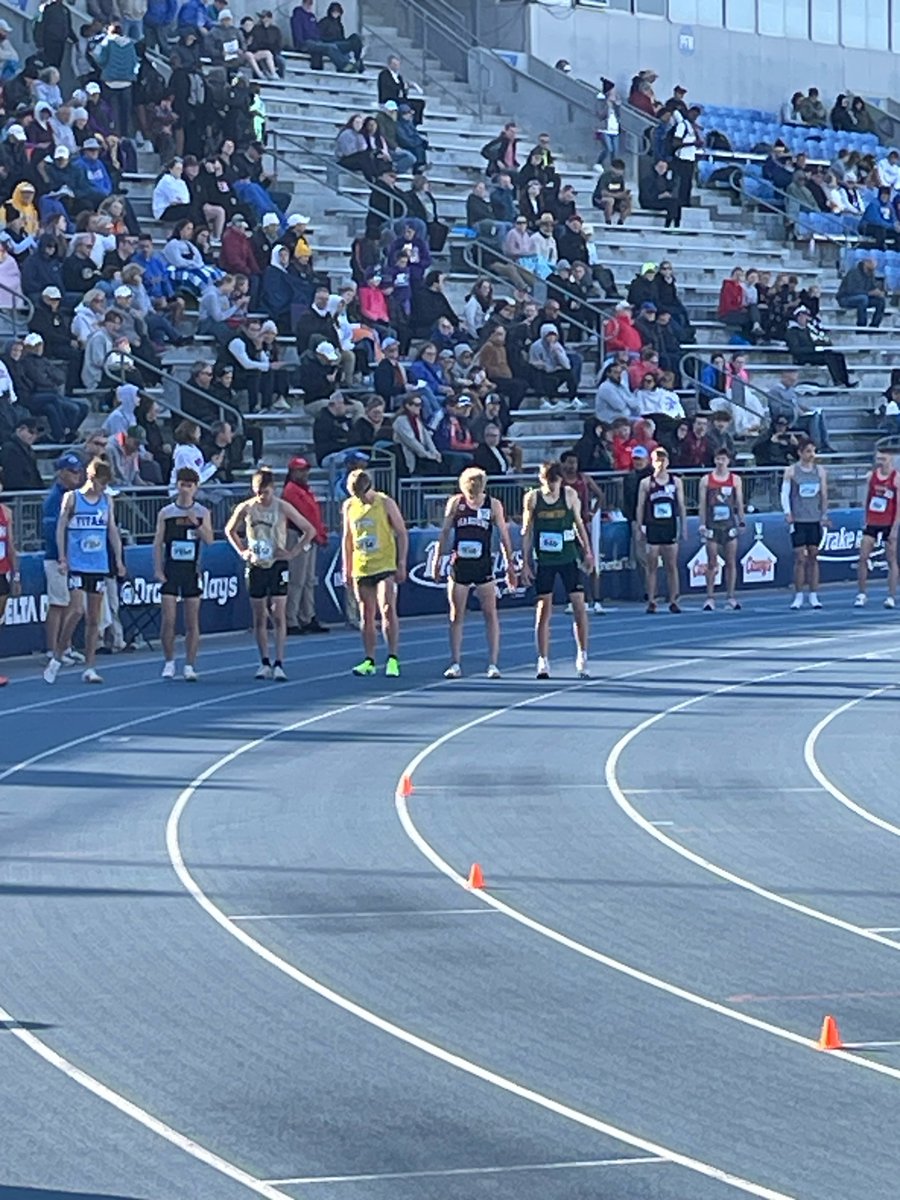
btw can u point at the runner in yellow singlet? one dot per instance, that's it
(375, 544)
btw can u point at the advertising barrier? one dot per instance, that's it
(765, 559)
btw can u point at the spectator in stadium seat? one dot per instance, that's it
(50, 323)
(619, 332)
(430, 304)
(859, 289)
(331, 31)
(551, 367)
(493, 360)
(643, 287)
(812, 110)
(570, 240)
(409, 138)
(720, 436)
(478, 304)
(863, 122)
(419, 454)
(696, 448)
(841, 116)
(889, 170)
(614, 397)
(778, 446)
(800, 198)
(785, 401)
(611, 194)
(386, 203)
(42, 268)
(501, 153)
(641, 94)
(422, 206)
(738, 305)
(392, 86)
(18, 461)
(665, 294)
(42, 392)
(331, 429)
(503, 199)
(308, 39)
(564, 205)
(805, 351)
(879, 221)
(790, 110)
(404, 161)
(659, 193)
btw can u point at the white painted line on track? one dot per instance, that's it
(885, 929)
(136, 1113)
(353, 916)
(468, 1066)
(693, 791)
(575, 1165)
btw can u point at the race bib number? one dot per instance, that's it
(286, 575)
(469, 549)
(721, 512)
(183, 551)
(74, 582)
(230, 49)
(262, 550)
(92, 543)
(662, 510)
(484, 514)
(367, 543)
(808, 491)
(878, 504)
(550, 543)
(2, 547)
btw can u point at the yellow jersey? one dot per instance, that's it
(374, 545)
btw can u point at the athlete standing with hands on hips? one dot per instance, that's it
(882, 519)
(721, 518)
(257, 529)
(85, 533)
(553, 529)
(181, 527)
(804, 499)
(10, 580)
(660, 515)
(470, 518)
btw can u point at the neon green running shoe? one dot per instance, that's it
(392, 667)
(366, 667)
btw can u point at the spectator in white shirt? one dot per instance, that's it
(889, 170)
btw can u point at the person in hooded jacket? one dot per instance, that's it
(42, 268)
(278, 292)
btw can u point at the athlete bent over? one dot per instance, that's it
(180, 528)
(470, 518)
(375, 545)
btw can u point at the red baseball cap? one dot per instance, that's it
(298, 463)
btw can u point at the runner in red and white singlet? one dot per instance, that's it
(882, 518)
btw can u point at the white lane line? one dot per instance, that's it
(885, 929)
(695, 791)
(468, 1066)
(136, 1113)
(812, 763)
(401, 803)
(331, 916)
(576, 1165)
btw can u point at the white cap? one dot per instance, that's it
(61, 152)
(92, 88)
(226, 15)
(17, 132)
(122, 291)
(269, 327)
(5, 26)
(33, 339)
(297, 219)
(270, 219)
(52, 293)
(327, 351)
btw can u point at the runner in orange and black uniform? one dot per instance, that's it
(882, 519)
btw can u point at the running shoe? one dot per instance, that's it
(581, 665)
(190, 675)
(493, 671)
(732, 604)
(264, 672)
(543, 668)
(366, 667)
(568, 609)
(889, 602)
(91, 676)
(709, 606)
(814, 601)
(72, 658)
(392, 667)
(651, 606)
(860, 601)
(278, 673)
(675, 607)
(3, 681)
(454, 671)
(599, 610)
(168, 671)
(51, 670)
(797, 602)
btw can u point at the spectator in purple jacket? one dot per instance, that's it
(308, 39)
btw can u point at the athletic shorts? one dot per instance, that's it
(263, 582)
(877, 531)
(806, 533)
(471, 572)
(546, 574)
(181, 580)
(721, 534)
(57, 584)
(371, 581)
(661, 535)
(87, 582)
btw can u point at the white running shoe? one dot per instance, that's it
(72, 658)
(190, 675)
(493, 671)
(543, 668)
(278, 674)
(51, 670)
(814, 601)
(168, 671)
(91, 676)
(581, 665)
(454, 671)
(599, 610)
(860, 601)
(709, 606)
(797, 602)
(264, 672)
(889, 602)
(568, 609)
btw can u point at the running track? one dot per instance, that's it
(237, 961)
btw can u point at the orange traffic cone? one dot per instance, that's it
(406, 787)
(830, 1037)
(476, 877)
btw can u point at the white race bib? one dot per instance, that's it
(662, 510)
(484, 514)
(878, 504)
(550, 542)
(807, 491)
(721, 512)
(91, 544)
(367, 543)
(469, 549)
(262, 549)
(3, 548)
(183, 551)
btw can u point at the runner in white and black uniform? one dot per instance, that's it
(660, 514)
(181, 528)
(469, 520)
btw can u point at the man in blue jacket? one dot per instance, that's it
(193, 15)
(308, 40)
(159, 21)
(94, 180)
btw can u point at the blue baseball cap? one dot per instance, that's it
(640, 452)
(68, 462)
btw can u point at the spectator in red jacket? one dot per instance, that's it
(301, 597)
(739, 304)
(647, 364)
(619, 332)
(236, 256)
(621, 444)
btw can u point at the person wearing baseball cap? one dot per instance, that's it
(50, 324)
(301, 597)
(43, 380)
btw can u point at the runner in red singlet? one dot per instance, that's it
(9, 566)
(881, 521)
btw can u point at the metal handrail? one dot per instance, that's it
(235, 416)
(715, 393)
(331, 166)
(840, 241)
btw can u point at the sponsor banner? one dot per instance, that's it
(765, 557)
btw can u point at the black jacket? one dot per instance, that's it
(312, 325)
(79, 274)
(317, 379)
(331, 434)
(54, 329)
(477, 210)
(571, 246)
(39, 374)
(20, 469)
(427, 307)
